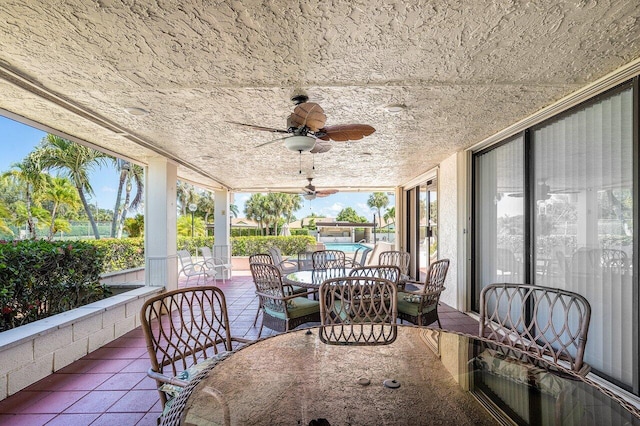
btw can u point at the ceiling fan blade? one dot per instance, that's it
(308, 114)
(345, 132)
(326, 192)
(264, 129)
(273, 141)
(321, 146)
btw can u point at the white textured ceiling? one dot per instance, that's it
(464, 69)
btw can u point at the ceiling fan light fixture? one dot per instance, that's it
(309, 196)
(300, 143)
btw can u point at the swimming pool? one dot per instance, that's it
(345, 247)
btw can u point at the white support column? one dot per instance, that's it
(222, 228)
(160, 233)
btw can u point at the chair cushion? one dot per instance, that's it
(187, 375)
(410, 304)
(299, 307)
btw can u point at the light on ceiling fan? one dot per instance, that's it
(310, 196)
(300, 143)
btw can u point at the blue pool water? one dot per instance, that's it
(345, 247)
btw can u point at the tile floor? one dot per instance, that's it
(109, 386)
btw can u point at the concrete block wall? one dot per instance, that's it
(34, 351)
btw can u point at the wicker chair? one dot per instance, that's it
(285, 265)
(421, 306)
(289, 289)
(281, 311)
(194, 269)
(398, 258)
(261, 258)
(388, 272)
(185, 331)
(328, 259)
(215, 263)
(358, 310)
(547, 322)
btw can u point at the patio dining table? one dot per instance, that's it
(312, 278)
(426, 376)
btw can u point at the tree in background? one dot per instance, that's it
(134, 175)
(29, 176)
(255, 209)
(76, 161)
(390, 216)
(233, 209)
(378, 201)
(5, 214)
(134, 226)
(183, 225)
(186, 194)
(207, 205)
(348, 214)
(62, 194)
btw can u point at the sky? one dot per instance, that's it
(17, 140)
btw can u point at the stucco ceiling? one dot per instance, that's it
(464, 70)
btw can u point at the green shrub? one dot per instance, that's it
(40, 278)
(120, 254)
(246, 246)
(192, 244)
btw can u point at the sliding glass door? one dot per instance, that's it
(555, 206)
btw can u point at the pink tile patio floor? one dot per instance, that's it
(109, 386)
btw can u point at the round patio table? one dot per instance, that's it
(425, 376)
(314, 277)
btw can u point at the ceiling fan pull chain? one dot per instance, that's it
(300, 163)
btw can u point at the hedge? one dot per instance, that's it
(40, 278)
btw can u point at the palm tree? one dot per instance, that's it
(378, 200)
(62, 194)
(124, 167)
(29, 174)
(277, 205)
(233, 209)
(294, 202)
(186, 194)
(207, 205)
(76, 161)
(254, 209)
(134, 175)
(390, 216)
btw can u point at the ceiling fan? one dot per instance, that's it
(310, 192)
(306, 130)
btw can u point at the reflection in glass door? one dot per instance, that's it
(428, 226)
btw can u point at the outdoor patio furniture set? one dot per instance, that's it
(526, 331)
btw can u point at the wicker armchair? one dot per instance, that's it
(194, 269)
(358, 310)
(289, 289)
(547, 322)
(421, 306)
(398, 258)
(185, 331)
(328, 259)
(281, 311)
(388, 272)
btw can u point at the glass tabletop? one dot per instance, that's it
(425, 376)
(314, 277)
